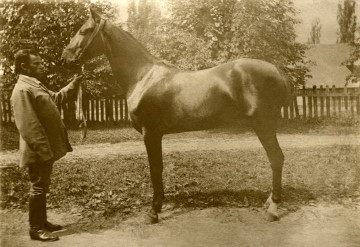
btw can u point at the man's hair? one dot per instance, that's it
(23, 56)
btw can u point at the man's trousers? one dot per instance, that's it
(39, 175)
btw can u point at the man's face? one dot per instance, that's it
(35, 68)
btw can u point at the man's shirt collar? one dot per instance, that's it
(32, 79)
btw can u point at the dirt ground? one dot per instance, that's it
(181, 144)
(320, 224)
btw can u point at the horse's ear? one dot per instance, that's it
(95, 16)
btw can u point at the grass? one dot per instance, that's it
(120, 183)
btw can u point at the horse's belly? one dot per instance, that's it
(201, 112)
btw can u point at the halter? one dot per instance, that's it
(83, 125)
(92, 37)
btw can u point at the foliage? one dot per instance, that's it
(354, 61)
(99, 79)
(315, 32)
(347, 21)
(164, 41)
(200, 34)
(47, 26)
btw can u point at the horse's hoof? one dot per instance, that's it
(152, 218)
(271, 217)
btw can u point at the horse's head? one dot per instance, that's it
(87, 42)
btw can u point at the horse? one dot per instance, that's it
(163, 99)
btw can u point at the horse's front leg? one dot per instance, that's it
(153, 147)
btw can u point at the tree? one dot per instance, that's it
(315, 32)
(144, 19)
(347, 21)
(353, 63)
(198, 34)
(46, 26)
(172, 45)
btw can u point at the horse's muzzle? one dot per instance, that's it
(69, 61)
(68, 58)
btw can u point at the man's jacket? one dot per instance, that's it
(43, 136)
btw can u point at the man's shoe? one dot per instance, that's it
(42, 235)
(53, 227)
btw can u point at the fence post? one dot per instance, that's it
(1, 111)
(92, 110)
(286, 113)
(292, 107)
(327, 93)
(310, 93)
(304, 102)
(315, 98)
(97, 112)
(333, 98)
(346, 98)
(321, 101)
(351, 99)
(116, 109)
(87, 106)
(9, 109)
(101, 110)
(3, 103)
(339, 104)
(296, 104)
(126, 110)
(122, 109)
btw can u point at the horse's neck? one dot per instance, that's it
(129, 60)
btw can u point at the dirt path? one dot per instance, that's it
(171, 144)
(318, 225)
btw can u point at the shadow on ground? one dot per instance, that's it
(98, 221)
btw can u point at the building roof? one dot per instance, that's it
(327, 68)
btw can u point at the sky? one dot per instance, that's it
(326, 10)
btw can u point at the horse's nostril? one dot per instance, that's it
(63, 61)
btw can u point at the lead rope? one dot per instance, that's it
(81, 114)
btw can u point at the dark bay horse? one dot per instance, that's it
(163, 99)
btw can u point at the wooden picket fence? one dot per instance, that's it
(323, 102)
(104, 110)
(113, 109)
(307, 103)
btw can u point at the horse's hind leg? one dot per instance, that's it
(154, 150)
(265, 128)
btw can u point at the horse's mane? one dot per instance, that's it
(133, 39)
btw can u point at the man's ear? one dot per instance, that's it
(95, 16)
(24, 67)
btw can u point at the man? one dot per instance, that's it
(43, 137)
